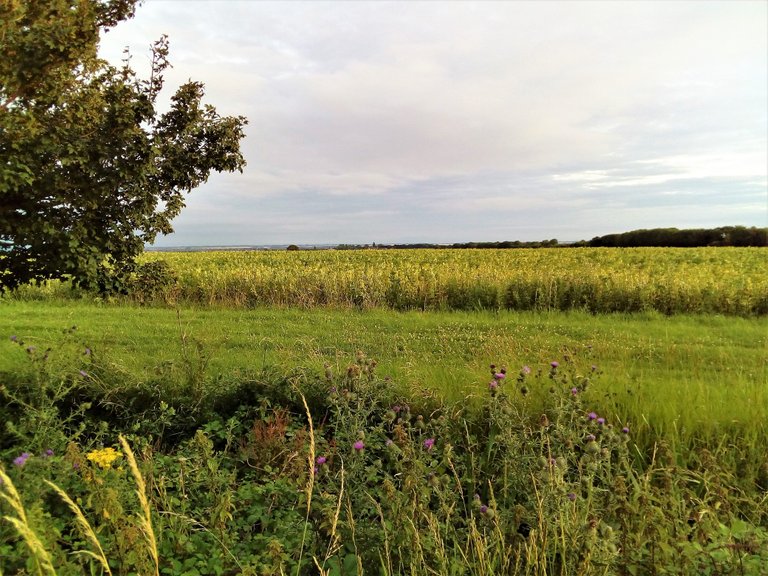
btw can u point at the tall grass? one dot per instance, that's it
(667, 280)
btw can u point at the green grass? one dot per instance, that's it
(231, 486)
(678, 374)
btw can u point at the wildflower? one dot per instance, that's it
(396, 409)
(104, 457)
(493, 384)
(526, 370)
(574, 391)
(428, 443)
(48, 453)
(594, 368)
(21, 460)
(592, 415)
(483, 509)
(14, 338)
(31, 349)
(87, 351)
(321, 460)
(601, 421)
(590, 438)
(571, 496)
(625, 430)
(554, 364)
(499, 376)
(359, 445)
(389, 442)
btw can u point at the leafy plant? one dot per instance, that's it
(90, 170)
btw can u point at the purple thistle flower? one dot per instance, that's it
(483, 509)
(21, 460)
(526, 370)
(625, 430)
(601, 421)
(315, 470)
(48, 453)
(574, 391)
(499, 376)
(590, 438)
(395, 409)
(571, 496)
(359, 445)
(428, 443)
(493, 385)
(321, 460)
(592, 415)
(14, 338)
(554, 364)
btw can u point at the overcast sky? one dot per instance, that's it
(395, 122)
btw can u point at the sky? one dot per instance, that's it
(441, 122)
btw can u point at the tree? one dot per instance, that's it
(90, 172)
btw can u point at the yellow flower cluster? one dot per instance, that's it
(104, 457)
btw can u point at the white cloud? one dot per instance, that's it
(511, 105)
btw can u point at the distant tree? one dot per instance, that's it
(292, 248)
(672, 237)
(89, 171)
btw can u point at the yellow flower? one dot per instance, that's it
(104, 457)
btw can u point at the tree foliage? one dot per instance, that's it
(90, 171)
(674, 238)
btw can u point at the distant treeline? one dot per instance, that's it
(674, 238)
(656, 237)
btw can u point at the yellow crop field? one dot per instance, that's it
(669, 280)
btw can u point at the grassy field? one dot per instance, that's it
(683, 373)
(338, 426)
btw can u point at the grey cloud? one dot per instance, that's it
(456, 121)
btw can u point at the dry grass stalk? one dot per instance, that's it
(36, 547)
(85, 528)
(145, 520)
